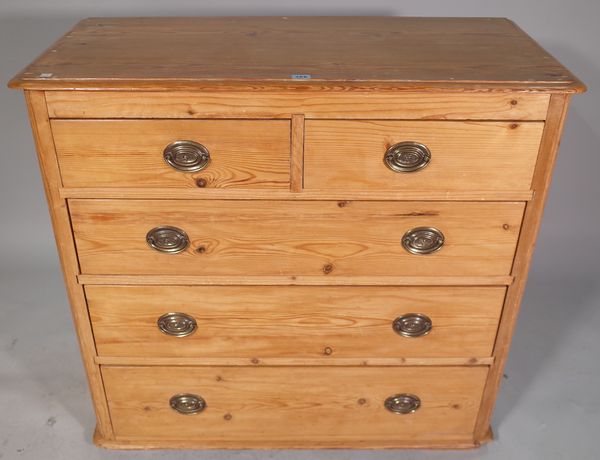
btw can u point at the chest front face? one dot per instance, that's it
(307, 232)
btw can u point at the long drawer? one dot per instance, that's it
(294, 321)
(253, 154)
(420, 155)
(217, 237)
(294, 405)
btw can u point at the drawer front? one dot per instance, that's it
(459, 155)
(294, 321)
(131, 153)
(294, 238)
(294, 404)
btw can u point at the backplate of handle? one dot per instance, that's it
(423, 240)
(186, 156)
(167, 239)
(412, 325)
(403, 403)
(407, 157)
(176, 324)
(187, 403)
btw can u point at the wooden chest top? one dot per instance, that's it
(400, 53)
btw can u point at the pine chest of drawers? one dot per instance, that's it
(295, 232)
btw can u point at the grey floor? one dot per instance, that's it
(548, 408)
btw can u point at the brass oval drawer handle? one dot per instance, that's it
(412, 325)
(407, 156)
(187, 403)
(170, 240)
(423, 240)
(186, 156)
(403, 403)
(177, 324)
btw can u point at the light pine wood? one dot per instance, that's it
(323, 404)
(129, 153)
(297, 322)
(318, 102)
(356, 443)
(235, 238)
(295, 270)
(348, 155)
(59, 214)
(330, 361)
(276, 194)
(297, 153)
(175, 53)
(531, 223)
(293, 280)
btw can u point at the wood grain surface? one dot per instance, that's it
(65, 244)
(255, 194)
(170, 53)
(295, 268)
(128, 153)
(319, 102)
(557, 113)
(348, 155)
(322, 404)
(294, 280)
(303, 322)
(287, 361)
(239, 238)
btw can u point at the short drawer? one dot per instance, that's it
(420, 155)
(294, 321)
(239, 238)
(148, 153)
(294, 404)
